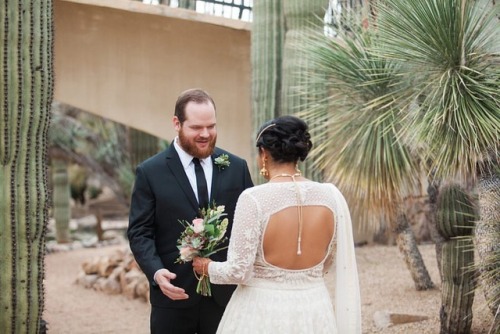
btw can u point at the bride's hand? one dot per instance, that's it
(200, 265)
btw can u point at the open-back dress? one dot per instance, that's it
(270, 299)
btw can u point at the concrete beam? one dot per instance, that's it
(128, 61)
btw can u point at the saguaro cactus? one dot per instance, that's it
(26, 90)
(268, 37)
(278, 25)
(455, 221)
(61, 202)
(301, 18)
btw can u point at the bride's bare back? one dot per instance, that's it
(281, 237)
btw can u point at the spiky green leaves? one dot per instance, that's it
(449, 52)
(358, 143)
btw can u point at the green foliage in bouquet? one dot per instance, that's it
(201, 238)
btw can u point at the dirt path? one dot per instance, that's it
(385, 286)
(72, 309)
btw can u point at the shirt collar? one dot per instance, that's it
(187, 158)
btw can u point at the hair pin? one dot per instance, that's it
(267, 127)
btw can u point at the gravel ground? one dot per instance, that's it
(385, 286)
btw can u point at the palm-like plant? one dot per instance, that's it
(442, 88)
(354, 131)
(358, 144)
(449, 51)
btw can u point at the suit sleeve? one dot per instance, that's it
(248, 179)
(141, 226)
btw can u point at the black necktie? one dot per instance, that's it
(201, 183)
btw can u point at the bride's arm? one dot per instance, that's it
(245, 238)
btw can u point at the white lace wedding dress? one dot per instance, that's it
(273, 300)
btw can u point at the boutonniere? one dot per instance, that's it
(222, 161)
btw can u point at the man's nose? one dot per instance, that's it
(204, 132)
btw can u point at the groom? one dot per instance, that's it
(166, 191)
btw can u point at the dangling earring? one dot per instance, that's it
(264, 172)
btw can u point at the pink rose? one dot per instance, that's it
(198, 225)
(187, 253)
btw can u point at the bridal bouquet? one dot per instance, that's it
(203, 237)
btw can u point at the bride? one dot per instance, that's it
(287, 233)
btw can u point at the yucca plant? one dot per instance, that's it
(449, 53)
(26, 90)
(358, 142)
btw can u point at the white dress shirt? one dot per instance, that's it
(187, 163)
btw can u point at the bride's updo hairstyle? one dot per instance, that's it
(286, 138)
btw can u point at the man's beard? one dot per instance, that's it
(190, 146)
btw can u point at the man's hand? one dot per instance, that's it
(162, 278)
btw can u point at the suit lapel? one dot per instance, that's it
(175, 166)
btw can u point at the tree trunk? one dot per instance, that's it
(487, 242)
(26, 90)
(433, 192)
(407, 245)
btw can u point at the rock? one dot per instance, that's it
(115, 273)
(87, 281)
(107, 285)
(142, 289)
(90, 267)
(384, 319)
(106, 266)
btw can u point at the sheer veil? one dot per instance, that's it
(347, 296)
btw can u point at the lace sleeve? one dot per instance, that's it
(243, 245)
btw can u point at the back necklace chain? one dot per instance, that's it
(299, 206)
(293, 176)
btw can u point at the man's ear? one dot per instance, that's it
(177, 123)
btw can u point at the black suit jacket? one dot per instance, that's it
(162, 195)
